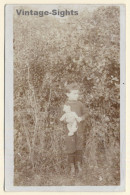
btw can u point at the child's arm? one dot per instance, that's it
(79, 119)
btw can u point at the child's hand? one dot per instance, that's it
(79, 119)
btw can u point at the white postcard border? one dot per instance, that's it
(9, 148)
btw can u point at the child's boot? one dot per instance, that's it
(79, 166)
(72, 169)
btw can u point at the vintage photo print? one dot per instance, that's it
(65, 97)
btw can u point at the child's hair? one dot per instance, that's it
(72, 86)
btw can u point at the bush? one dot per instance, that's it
(49, 52)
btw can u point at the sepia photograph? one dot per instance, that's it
(66, 95)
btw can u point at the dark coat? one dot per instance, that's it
(75, 142)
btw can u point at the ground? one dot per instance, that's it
(99, 174)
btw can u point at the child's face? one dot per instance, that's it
(66, 108)
(73, 95)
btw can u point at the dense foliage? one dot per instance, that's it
(50, 52)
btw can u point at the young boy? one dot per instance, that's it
(71, 119)
(74, 144)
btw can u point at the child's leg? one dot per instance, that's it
(79, 156)
(79, 160)
(71, 161)
(71, 158)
